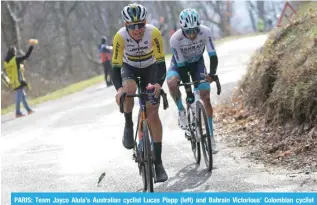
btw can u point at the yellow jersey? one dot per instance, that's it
(138, 54)
(11, 68)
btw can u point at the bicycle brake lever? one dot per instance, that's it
(165, 102)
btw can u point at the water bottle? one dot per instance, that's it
(197, 98)
(150, 91)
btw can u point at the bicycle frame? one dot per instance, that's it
(141, 95)
(142, 117)
(215, 79)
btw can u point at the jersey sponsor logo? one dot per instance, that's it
(157, 45)
(116, 51)
(140, 52)
(211, 43)
(139, 49)
(146, 42)
(192, 47)
(130, 45)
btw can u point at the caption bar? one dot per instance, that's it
(162, 198)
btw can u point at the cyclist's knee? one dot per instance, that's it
(153, 115)
(205, 96)
(172, 82)
(129, 86)
(172, 78)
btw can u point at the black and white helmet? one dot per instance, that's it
(134, 13)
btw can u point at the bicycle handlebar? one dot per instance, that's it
(141, 95)
(215, 78)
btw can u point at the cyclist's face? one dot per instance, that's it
(136, 30)
(191, 33)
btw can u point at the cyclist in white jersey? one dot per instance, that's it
(188, 45)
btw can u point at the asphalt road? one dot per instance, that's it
(68, 143)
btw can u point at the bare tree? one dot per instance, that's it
(219, 13)
(251, 8)
(12, 13)
(264, 10)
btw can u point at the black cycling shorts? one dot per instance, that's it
(147, 75)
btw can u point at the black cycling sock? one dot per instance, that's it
(158, 152)
(128, 117)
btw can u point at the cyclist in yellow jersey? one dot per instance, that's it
(138, 52)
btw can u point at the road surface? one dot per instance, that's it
(68, 143)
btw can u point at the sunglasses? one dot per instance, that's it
(135, 26)
(191, 31)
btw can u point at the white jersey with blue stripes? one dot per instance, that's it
(189, 51)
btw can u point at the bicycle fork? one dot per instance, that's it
(138, 152)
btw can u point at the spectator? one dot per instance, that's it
(260, 25)
(105, 59)
(15, 72)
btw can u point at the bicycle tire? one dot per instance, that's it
(195, 146)
(140, 158)
(148, 162)
(205, 137)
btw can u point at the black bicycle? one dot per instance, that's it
(198, 132)
(143, 151)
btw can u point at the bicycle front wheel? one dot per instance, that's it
(192, 138)
(204, 132)
(148, 161)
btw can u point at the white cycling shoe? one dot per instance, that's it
(213, 146)
(182, 120)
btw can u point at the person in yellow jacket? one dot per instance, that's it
(17, 82)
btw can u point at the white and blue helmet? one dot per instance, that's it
(189, 18)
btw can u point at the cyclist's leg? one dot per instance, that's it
(155, 124)
(172, 78)
(204, 89)
(128, 75)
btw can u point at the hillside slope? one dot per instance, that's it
(274, 111)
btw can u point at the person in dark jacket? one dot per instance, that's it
(105, 59)
(12, 65)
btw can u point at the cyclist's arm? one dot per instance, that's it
(158, 50)
(177, 53)
(211, 52)
(180, 61)
(117, 61)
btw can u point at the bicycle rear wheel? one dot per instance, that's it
(192, 138)
(203, 130)
(147, 168)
